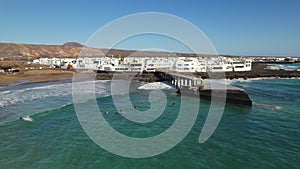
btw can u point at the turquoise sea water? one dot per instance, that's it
(266, 135)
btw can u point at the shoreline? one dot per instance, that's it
(35, 76)
(259, 70)
(61, 75)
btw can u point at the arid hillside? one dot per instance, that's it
(10, 49)
(69, 49)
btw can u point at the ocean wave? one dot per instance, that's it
(11, 97)
(48, 110)
(294, 66)
(249, 80)
(31, 99)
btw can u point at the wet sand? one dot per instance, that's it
(35, 76)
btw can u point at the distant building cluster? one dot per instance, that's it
(55, 62)
(150, 64)
(277, 59)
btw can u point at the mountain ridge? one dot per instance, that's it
(68, 50)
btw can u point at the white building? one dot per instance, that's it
(185, 64)
(158, 63)
(150, 64)
(218, 64)
(54, 62)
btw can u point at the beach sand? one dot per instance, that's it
(35, 76)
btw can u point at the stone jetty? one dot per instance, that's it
(208, 89)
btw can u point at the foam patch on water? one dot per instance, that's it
(249, 80)
(294, 66)
(29, 100)
(268, 106)
(11, 97)
(155, 86)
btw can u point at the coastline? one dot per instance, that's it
(258, 71)
(35, 76)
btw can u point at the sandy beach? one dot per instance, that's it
(35, 76)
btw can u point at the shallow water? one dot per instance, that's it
(263, 136)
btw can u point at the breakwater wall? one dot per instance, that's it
(192, 86)
(146, 77)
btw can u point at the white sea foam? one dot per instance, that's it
(256, 79)
(27, 118)
(155, 86)
(23, 101)
(268, 106)
(11, 97)
(283, 66)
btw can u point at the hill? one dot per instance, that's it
(35, 51)
(69, 49)
(75, 44)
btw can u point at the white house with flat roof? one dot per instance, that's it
(150, 64)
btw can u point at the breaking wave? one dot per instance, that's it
(295, 66)
(32, 99)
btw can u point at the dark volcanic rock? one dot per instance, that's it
(147, 77)
(258, 70)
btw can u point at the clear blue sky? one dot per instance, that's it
(238, 27)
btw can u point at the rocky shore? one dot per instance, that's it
(258, 71)
(146, 77)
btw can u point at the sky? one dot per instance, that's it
(234, 27)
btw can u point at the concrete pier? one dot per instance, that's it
(194, 86)
(179, 80)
